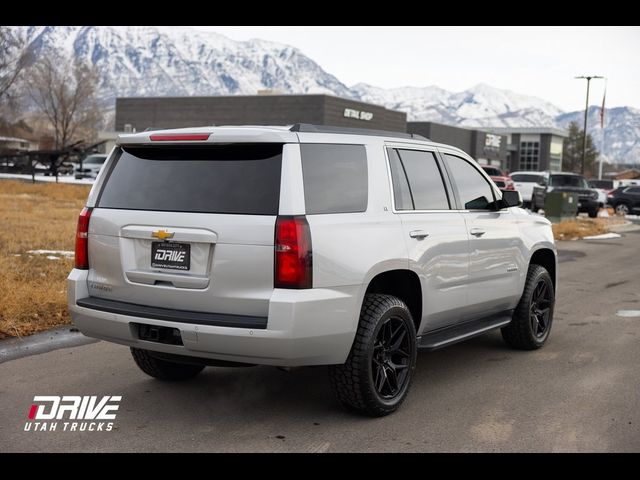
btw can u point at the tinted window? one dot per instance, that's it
(605, 184)
(401, 191)
(633, 190)
(335, 178)
(568, 181)
(526, 178)
(95, 159)
(425, 181)
(474, 190)
(241, 179)
(493, 171)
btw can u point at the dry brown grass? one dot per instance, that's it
(32, 287)
(583, 227)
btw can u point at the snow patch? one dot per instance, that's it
(602, 236)
(50, 253)
(42, 178)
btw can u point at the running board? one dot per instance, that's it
(446, 336)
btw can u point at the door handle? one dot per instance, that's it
(419, 234)
(477, 232)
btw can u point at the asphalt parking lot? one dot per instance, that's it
(579, 393)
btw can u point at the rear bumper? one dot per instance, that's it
(304, 327)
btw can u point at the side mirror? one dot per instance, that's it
(510, 198)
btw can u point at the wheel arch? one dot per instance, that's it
(546, 257)
(402, 283)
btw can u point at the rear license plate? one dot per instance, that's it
(176, 256)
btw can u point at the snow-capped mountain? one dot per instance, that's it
(172, 61)
(147, 61)
(481, 105)
(621, 131)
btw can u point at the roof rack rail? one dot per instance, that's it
(310, 128)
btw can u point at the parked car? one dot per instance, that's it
(603, 187)
(524, 183)
(309, 245)
(567, 182)
(629, 182)
(625, 200)
(604, 184)
(499, 178)
(91, 166)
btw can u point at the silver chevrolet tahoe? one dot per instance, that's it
(305, 245)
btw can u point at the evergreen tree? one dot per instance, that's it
(572, 152)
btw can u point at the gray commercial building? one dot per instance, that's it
(510, 149)
(533, 148)
(140, 113)
(487, 148)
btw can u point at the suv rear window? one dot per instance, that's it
(335, 178)
(492, 171)
(606, 184)
(233, 179)
(526, 178)
(568, 181)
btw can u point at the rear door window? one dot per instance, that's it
(401, 191)
(233, 179)
(425, 180)
(335, 178)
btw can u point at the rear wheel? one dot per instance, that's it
(532, 318)
(163, 369)
(622, 209)
(377, 375)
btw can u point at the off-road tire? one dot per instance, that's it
(352, 381)
(519, 333)
(163, 369)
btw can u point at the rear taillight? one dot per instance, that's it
(82, 239)
(293, 265)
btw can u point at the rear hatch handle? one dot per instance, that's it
(189, 235)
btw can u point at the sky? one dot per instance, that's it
(538, 61)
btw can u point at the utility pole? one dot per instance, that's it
(586, 111)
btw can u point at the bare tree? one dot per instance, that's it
(14, 57)
(65, 92)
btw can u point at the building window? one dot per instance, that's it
(529, 155)
(555, 154)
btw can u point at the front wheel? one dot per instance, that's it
(532, 318)
(377, 375)
(593, 213)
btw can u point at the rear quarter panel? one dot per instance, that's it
(351, 248)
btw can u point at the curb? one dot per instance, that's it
(42, 342)
(625, 227)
